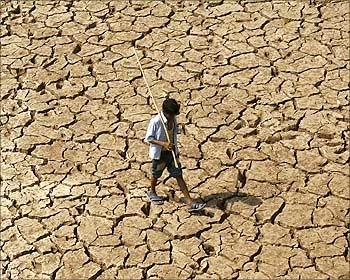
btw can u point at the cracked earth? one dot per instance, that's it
(264, 93)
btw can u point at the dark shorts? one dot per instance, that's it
(166, 160)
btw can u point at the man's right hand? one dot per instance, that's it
(168, 146)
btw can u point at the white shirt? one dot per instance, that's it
(156, 131)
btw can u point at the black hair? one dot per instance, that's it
(170, 106)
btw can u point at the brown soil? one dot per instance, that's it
(264, 93)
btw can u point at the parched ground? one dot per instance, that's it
(264, 92)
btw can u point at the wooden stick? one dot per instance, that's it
(155, 105)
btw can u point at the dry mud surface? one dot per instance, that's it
(264, 90)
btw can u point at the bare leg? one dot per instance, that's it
(153, 184)
(184, 189)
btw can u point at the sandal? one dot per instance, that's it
(156, 199)
(196, 206)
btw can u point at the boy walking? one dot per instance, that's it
(161, 152)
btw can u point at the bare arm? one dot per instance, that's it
(166, 145)
(160, 143)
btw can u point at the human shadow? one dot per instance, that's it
(219, 201)
(216, 200)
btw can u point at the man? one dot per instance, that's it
(161, 152)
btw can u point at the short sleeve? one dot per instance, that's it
(151, 132)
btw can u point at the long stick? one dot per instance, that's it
(155, 105)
